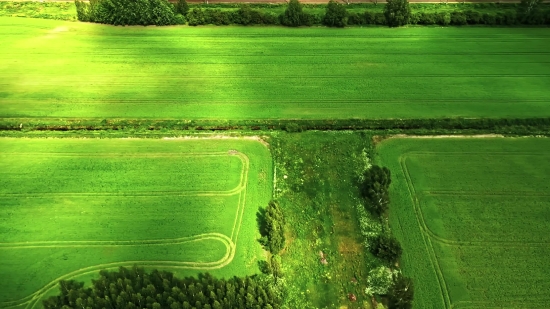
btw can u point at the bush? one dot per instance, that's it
(273, 234)
(443, 18)
(387, 248)
(217, 17)
(196, 17)
(182, 7)
(427, 18)
(379, 281)
(376, 183)
(380, 19)
(401, 293)
(489, 19)
(473, 17)
(336, 15)
(397, 12)
(458, 18)
(294, 16)
(127, 12)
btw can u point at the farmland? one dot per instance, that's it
(54, 69)
(472, 215)
(71, 207)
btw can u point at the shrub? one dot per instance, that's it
(473, 17)
(273, 234)
(489, 19)
(127, 12)
(397, 12)
(387, 248)
(379, 281)
(375, 188)
(294, 16)
(380, 19)
(196, 17)
(443, 18)
(401, 293)
(458, 18)
(336, 15)
(217, 17)
(427, 18)
(182, 7)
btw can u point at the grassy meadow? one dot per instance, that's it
(70, 207)
(472, 215)
(54, 69)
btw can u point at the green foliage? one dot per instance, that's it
(294, 15)
(196, 17)
(182, 7)
(397, 12)
(387, 248)
(136, 288)
(401, 293)
(273, 235)
(379, 281)
(375, 189)
(127, 12)
(336, 15)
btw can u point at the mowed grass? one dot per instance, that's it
(66, 69)
(472, 215)
(70, 207)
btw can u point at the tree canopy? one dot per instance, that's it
(135, 288)
(397, 12)
(375, 189)
(336, 15)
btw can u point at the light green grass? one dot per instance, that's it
(472, 215)
(70, 207)
(64, 69)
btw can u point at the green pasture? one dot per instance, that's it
(52, 69)
(70, 207)
(472, 215)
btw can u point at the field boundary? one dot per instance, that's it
(230, 242)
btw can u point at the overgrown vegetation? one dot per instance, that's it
(128, 12)
(375, 189)
(336, 15)
(134, 287)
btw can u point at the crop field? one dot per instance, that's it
(473, 217)
(70, 207)
(78, 70)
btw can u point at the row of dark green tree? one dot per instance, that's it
(375, 191)
(272, 228)
(396, 13)
(136, 288)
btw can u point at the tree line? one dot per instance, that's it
(396, 13)
(374, 189)
(130, 288)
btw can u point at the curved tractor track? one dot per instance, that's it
(230, 243)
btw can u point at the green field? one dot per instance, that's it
(472, 215)
(70, 207)
(65, 69)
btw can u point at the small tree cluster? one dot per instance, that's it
(294, 15)
(336, 15)
(375, 189)
(401, 293)
(387, 248)
(397, 12)
(135, 288)
(127, 12)
(273, 234)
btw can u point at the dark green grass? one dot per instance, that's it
(472, 215)
(69, 204)
(61, 69)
